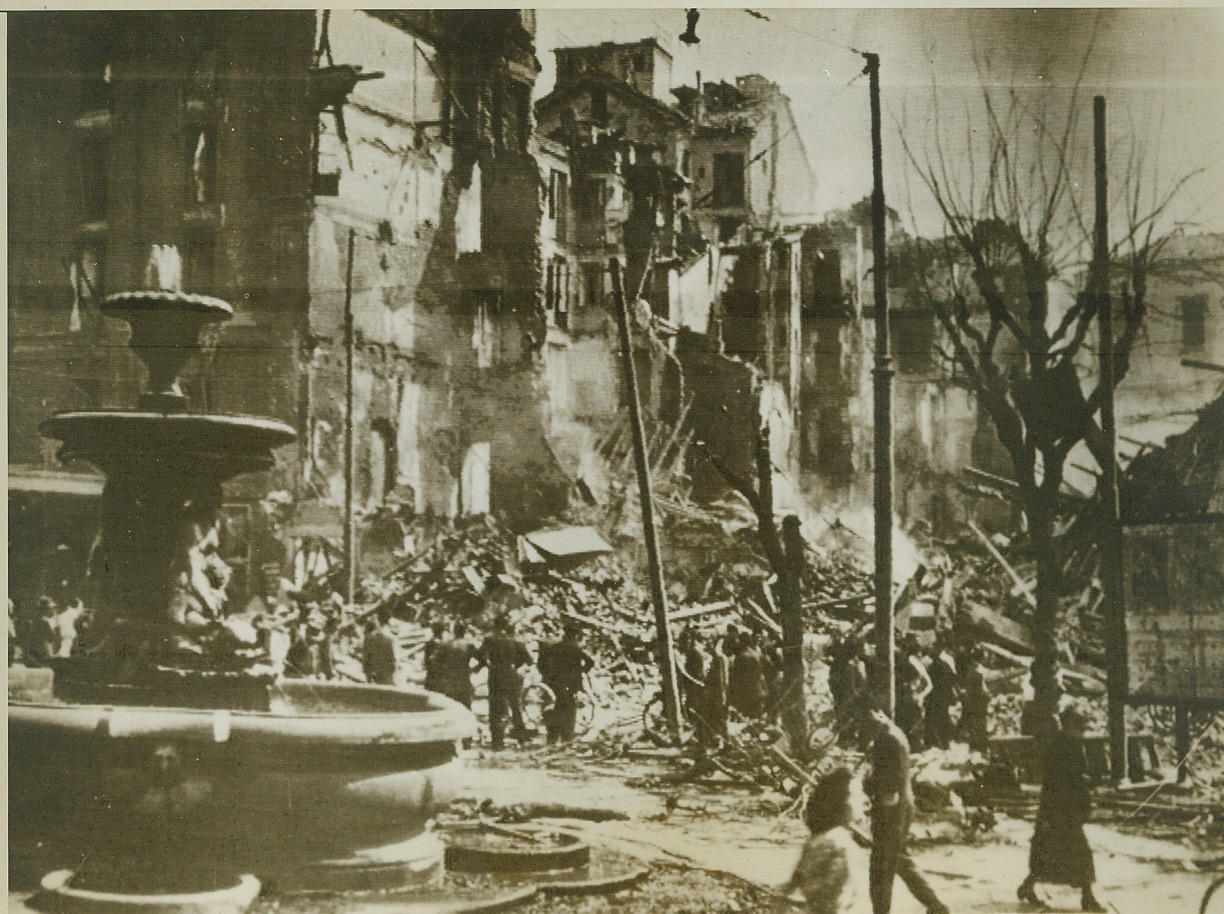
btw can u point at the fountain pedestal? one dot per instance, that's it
(158, 765)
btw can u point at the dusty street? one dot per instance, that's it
(750, 835)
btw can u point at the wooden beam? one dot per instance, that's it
(998, 557)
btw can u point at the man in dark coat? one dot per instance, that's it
(938, 718)
(455, 666)
(747, 689)
(1060, 853)
(714, 692)
(913, 686)
(563, 664)
(692, 670)
(504, 654)
(975, 705)
(378, 653)
(847, 684)
(892, 807)
(435, 647)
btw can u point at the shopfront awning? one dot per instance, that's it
(565, 543)
(24, 478)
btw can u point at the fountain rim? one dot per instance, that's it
(52, 425)
(443, 720)
(152, 299)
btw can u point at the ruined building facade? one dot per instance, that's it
(235, 154)
(669, 187)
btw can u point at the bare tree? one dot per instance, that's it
(1017, 205)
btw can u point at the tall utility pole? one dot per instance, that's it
(663, 639)
(882, 375)
(1111, 539)
(350, 469)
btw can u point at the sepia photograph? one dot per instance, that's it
(643, 460)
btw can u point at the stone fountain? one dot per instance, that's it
(160, 769)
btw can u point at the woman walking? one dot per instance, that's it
(1060, 853)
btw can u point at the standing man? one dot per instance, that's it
(892, 807)
(457, 667)
(693, 670)
(504, 654)
(434, 650)
(939, 730)
(41, 639)
(718, 674)
(378, 658)
(563, 664)
(1060, 853)
(975, 704)
(747, 690)
(913, 686)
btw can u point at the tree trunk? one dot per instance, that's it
(1045, 616)
(794, 701)
(785, 554)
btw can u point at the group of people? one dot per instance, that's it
(737, 670)
(314, 636)
(45, 631)
(825, 874)
(452, 658)
(930, 686)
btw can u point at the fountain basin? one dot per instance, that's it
(331, 770)
(116, 439)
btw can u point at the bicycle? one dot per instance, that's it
(1211, 889)
(539, 701)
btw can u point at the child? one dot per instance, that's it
(823, 871)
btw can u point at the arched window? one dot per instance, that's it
(383, 462)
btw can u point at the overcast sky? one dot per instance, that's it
(1161, 70)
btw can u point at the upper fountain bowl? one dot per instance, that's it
(166, 329)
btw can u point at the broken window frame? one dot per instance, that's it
(520, 103)
(599, 105)
(730, 182)
(913, 340)
(486, 303)
(593, 284)
(1193, 322)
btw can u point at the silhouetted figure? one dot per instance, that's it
(938, 723)
(563, 664)
(913, 687)
(302, 658)
(378, 659)
(848, 687)
(503, 654)
(439, 635)
(1060, 853)
(455, 666)
(40, 639)
(714, 695)
(693, 669)
(892, 808)
(975, 706)
(747, 689)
